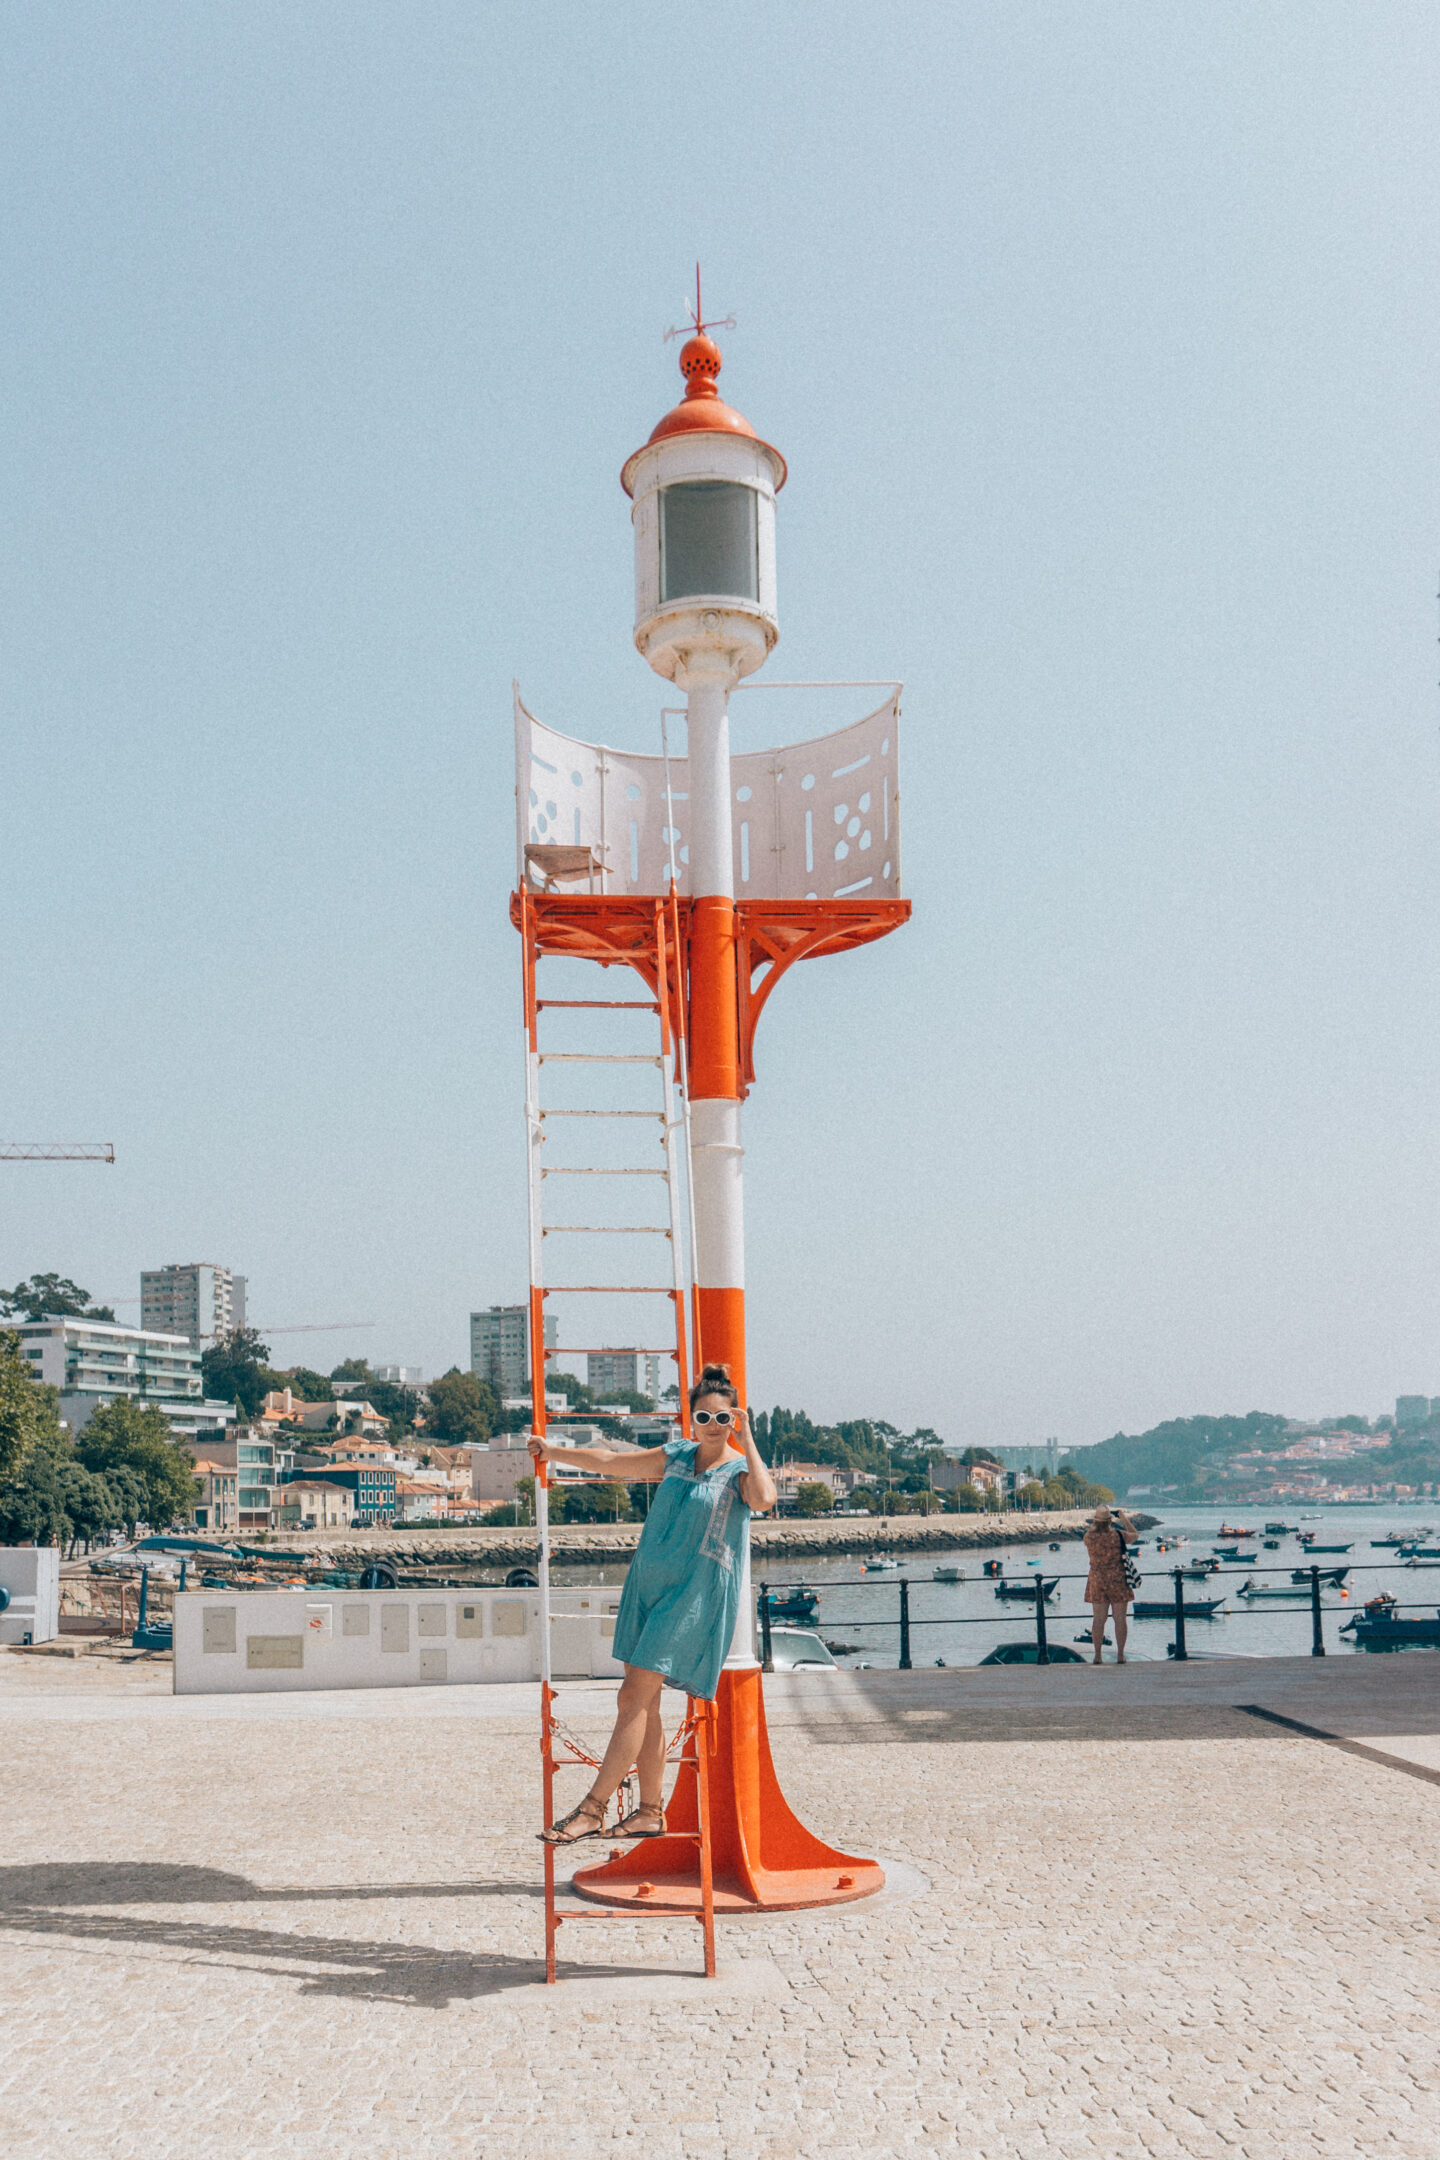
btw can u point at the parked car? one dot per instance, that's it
(1025, 1653)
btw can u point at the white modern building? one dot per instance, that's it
(500, 1347)
(93, 1362)
(195, 1299)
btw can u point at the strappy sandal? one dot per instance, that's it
(628, 1826)
(591, 1812)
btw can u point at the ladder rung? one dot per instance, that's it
(605, 1289)
(656, 1116)
(560, 1171)
(605, 1350)
(627, 1912)
(593, 1057)
(585, 1229)
(596, 1005)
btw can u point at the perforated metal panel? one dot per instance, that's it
(817, 820)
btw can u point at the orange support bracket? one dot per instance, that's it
(764, 1858)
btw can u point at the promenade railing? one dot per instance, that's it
(1033, 1613)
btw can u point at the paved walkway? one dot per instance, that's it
(1128, 1916)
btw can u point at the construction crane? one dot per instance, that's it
(57, 1151)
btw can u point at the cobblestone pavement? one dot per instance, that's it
(1131, 1919)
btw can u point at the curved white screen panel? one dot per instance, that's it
(813, 821)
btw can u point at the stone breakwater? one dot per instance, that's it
(597, 1544)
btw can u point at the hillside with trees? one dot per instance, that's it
(1187, 1453)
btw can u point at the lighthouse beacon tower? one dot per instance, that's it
(704, 489)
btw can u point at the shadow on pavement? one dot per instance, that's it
(46, 1900)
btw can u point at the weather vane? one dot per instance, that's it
(697, 325)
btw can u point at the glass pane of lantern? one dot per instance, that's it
(707, 540)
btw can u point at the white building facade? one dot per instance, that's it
(94, 1362)
(196, 1299)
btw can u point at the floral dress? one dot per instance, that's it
(682, 1593)
(1107, 1585)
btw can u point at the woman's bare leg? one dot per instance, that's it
(1097, 1628)
(638, 1740)
(1121, 1616)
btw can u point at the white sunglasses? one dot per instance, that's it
(712, 1417)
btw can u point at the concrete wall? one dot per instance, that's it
(272, 1641)
(31, 1574)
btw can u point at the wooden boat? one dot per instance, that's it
(1396, 1538)
(1280, 1529)
(1422, 1552)
(1026, 1590)
(1228, 1530)
(1164, 1608)
(1233, 1552)
(1332, 1575)
(1272, 1544)
(1311, 1546)
(993, 1567)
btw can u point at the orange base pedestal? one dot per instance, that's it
(764, 1859)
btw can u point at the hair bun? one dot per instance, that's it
(719, 1374)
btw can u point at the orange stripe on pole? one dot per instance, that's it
(721, 1318)
(714, 1001)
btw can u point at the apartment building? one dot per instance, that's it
(500, 1347)
(195, 1299)
(613, 1372)
(94, 1362)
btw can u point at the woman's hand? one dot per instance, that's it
(540, 1450)
(757, 1487)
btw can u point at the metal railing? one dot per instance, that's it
(1316, 1578)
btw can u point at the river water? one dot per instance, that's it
(853, 1602)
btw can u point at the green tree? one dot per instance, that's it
(309, 1386)
(126, 1436)
(236, 1369)
(609, 1501)
(32, 1504)
(27, 1411)
(43, 1297)
(813, 1498)
(965, 1500)
(462, 1409)
(352, 1368)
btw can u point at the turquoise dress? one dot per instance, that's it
(678, 1608)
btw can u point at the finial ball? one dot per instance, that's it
(699, 357)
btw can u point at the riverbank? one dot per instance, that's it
(595, 1544)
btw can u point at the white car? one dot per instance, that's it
(798, 1649)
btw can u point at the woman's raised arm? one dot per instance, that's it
(634, 1466)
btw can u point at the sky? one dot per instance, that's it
(1101, 341)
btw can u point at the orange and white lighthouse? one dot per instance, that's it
(704, 489)
(709, 877)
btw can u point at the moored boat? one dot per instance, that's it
(1333, 1575)
(1026, 1590)
(880, 1563)
(1164, 1608)
(1251, 1590)
(949, 1574)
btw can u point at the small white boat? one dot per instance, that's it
(949, 1574)
(879, 1563)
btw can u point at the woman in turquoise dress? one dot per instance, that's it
(681, 1598)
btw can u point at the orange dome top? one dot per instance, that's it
(702, 410)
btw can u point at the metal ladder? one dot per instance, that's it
(694, 1741)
